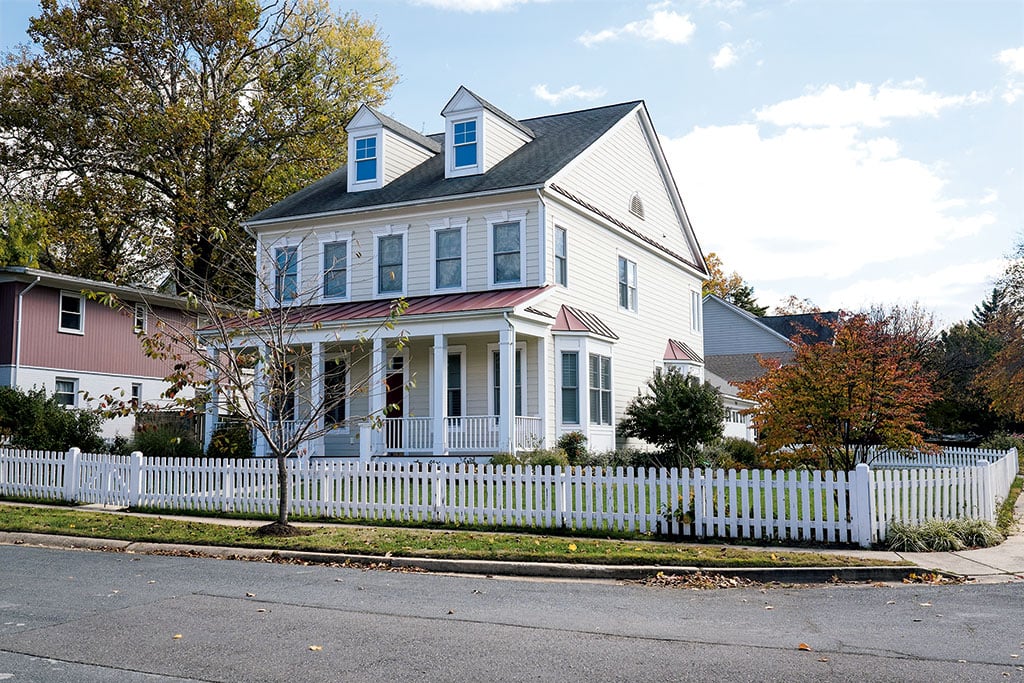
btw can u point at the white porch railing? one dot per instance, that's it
(472, 433)
(529, 433)
(408, 434)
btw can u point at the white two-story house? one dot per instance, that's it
(548, 265)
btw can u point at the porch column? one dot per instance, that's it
(212, 400)
(507, 398)
(317, 378)
(439, 394)
(544, 406)
(378, 395)
(259, 383)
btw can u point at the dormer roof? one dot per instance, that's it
(465, 99)
(406, 132)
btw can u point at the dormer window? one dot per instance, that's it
(464, 143)
(366, 159)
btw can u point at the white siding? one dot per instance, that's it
(619, 166)
(401, 156)
(499, 140)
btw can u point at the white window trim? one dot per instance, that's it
(144, 326)
(629, 259)
(389, 231)
(81, 315)
(435, 227)
(559, 386)
(451, 170)
(331, 238)
(506, 217)
(554, 252)
(74, 382)
(136, 401)
(271, 253)
(611, 388)
(491, 350)
(696, 311)
(376, 132)
(331, 358)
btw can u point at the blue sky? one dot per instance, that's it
(848, 152)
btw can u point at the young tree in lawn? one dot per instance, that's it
(835, 401)
(254, 360)
(677, 413)
(147, 129)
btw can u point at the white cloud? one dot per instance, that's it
(729, 54)
(573, 92)
(1013, 60)
(471, 5)
(724, 58)
(862, 105)
(818, 203)
(991, 196)
(663, 25)
(727, 5)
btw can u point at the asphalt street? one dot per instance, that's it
(68, 615)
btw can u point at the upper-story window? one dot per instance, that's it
(335, 269)
(72, 313)
(464, 143)
(508, 262)
(286, 273)
(561, 257)
(141, 318)
(366, 159)
(448, 258)
(390, 264)
(627, 284)
(696, 312)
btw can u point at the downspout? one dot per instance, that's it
(543, 238)
(17, 348)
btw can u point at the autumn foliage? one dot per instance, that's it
(835, 400)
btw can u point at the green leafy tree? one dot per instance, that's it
(730, 287)
(21, 233)
(677, 413)
(33, 420)
(1003, 377)
(164, 123)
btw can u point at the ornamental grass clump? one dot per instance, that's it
(977, 533)
(938, 535)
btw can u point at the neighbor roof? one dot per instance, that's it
(558, 140)
(741, 367)
(810, 326)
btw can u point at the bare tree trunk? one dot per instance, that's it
(282, 489)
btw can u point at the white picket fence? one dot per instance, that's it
(789, 505)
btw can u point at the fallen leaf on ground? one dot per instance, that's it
(572, 547)
(804, 647)
(316, 648)
(177, 636)
(822, 659)
(250, 595)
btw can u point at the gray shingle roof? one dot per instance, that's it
(740, 367)
(406, 132)
(810, 326)
(558, 140)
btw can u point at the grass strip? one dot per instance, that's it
(368, 540)
(1005, 520)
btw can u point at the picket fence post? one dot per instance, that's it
(986, 507)
(71, 461)
(863, 505)
(134, 479)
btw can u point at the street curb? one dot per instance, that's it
(481, 567)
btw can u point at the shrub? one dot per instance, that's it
(554, 457)
(936, 535)
(1002, 441)
(574, 445)
(166, 442)
(31, 420)
(230, 440)
(741, 452)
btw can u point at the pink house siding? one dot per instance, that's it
(108, 344)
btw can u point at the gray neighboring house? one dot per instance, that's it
(733, 341)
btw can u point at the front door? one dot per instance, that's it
(395, 398)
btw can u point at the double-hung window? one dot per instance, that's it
(454, 385)
(366, 159)
(141, 316)
(335, 392)
(464, 143)
(570, 387)
(335, 270)
(600, 389)
(72, 313)
(627, 284)
(286, 273)
(136, 396)
(448, 258)
(65, 391)
(561, 257)
(390, 258)
(507, 241)
(518, 382)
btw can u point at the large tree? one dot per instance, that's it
(730, 286)
(835, 400)
(147, 129)
(1003, 378)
